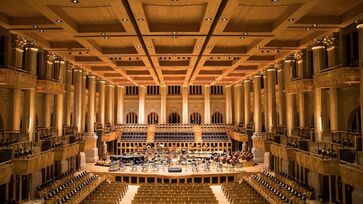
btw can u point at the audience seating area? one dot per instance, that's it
(108, 192)
(214, 136)
(174, 194)
(134, 136)
(174, 136)
(279, 189)
(241, 193)
(8, 137)
(68, 187)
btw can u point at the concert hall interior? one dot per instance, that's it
(181, 101)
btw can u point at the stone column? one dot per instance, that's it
(83, 102)
(91, 104)
(360, 45)
(207, 115)
(282, 98)
(101, 102)
(16, 112)
(319, 113)
(271, 97)
(301, 108)
(257, 103)
(265, 102)
(59, 113)
(29, 110)
(162, 104)
(120, 104)
(77, 99)
(237, 104)
(109, 104)
(333, 109)
(291, 112)
(228, 89)
(185, 105)
(68, 111)
(47, 110)
(247, 88)
(141, 105)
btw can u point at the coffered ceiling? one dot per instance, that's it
(147, 42)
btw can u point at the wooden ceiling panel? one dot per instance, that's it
(333, 7)
(18, 8)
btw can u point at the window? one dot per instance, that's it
(174, 118)
(351, 49)
(132, 90)
(153, 90)
(152, 118)
(195, 90)
(216, 90)
(174, 90)
(195, 118)
(217, 118)
(131, 118)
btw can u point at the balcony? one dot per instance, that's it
(352, 174)
(299, 85)
(336, 77)
(33, 163)
(262, 144)
(241, 137)
(87, 144)
(6, 170)
(317, 163)
(284, 152)
(11, 77)
(49, 86)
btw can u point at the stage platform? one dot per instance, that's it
(186, 176)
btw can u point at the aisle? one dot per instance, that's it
(131, 191)
(219, 194)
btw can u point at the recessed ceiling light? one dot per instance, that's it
(58, 21)
(35, 26)
(103, 33)
(106, 38)
(274, 0)
(314, 25)
(198, 47)
(173, 33)
(140, 19)
(138, 46)
(291, 19)
(124, 19)
(208, 19)
(75, 1)
(173, 37)
(307, 28)
(209, 47)
(242, 37)
(42, 31)
(258, 47)
(245, 33)
(224, 19)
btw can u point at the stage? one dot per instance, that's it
(163, 176)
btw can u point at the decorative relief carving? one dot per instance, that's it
(339, 77)
(283, 152)
(66, 152)
(317, 164)
(6, 170)
(34, 163)
(298, 86)
(352, 175)
(16, 79)
(51, 87)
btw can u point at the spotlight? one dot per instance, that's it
(208, 19)
(124, 19)
(140, 19)
(315, 25)
(307, 28)
(103, 33)
(58, 21)
(75, 1)
(35, 26)
(173, 33)
(174, 37)
(224, 19)
(42, 31)
(290, 19)
(242, 37)
(106, 38)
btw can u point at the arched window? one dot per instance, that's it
(354, 123)
(195, 118)
(131, 118)
(174, 118)
(217, 117)
(153, 118)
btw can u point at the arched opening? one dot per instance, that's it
(355, 120)
(174, 118)
(195, 118)
(131, 118)
(217, 117)
(153, 118)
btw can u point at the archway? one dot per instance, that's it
(195, 118)
(131, 118)
(174, 118)
(153, 118)
(217, 117)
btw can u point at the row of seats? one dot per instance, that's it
(51, 181)
(293, 181)
(23, 153)
(7, 142)
(133, 136)
(108, 192)
(327, 153)
(174, 193)
(174, 136)
(214, 136)
(241, 193)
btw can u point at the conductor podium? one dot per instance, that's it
(175, 170)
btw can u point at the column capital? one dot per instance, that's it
(257, 76)
(102, 81)
(270, 69)
(229, 85)
(91, 77)
(318, 47)
(360, 26)
(247, 80)
(237, 85)
(76, 70)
